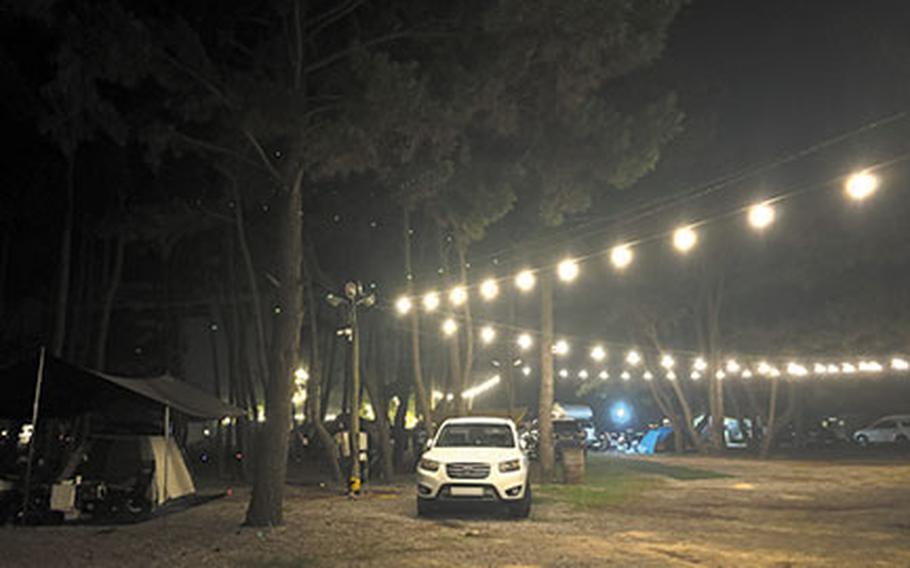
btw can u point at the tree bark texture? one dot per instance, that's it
(271, 455)
(547, 454)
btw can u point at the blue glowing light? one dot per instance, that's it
(620, 413)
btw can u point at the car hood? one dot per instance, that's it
(473, 454)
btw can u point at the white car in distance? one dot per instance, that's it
(474, 460)
(885, 430)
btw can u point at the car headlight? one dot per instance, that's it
(511, 465)
(429, 465)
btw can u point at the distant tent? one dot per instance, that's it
(650, 442)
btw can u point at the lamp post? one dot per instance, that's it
(354, 297)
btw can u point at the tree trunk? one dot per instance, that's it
(314, 390)
(265, 507)
(422, 395)
(58, 332)
(687, 416)
(381, 410)
(107, 307)
(545, 401)
(468, 366)
(768, 438)
(4, 265)
(253, 283)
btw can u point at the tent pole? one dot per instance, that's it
(31, 442)
(167, 439)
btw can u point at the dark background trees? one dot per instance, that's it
(174, 163)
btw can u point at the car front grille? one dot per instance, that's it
(468, 470)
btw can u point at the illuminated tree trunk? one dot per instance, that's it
(314, 390)
(545, 400)
(469, 331)
(423, 397)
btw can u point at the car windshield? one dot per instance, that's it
(474, 435)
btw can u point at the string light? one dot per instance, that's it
(483, 387)
(695, 375)
(761, 216)
(625, 376)
(561, 348)
(720, 375)
(671, 375)
(458, 296)
(449, 327)
(526, 371)
(489, 289)
(301, 375)
(431, 301)
(598, 353)
(525, 280)
(583, 374)
(647, 376)
(899, 364)
(604, 375)
(746, 374)
(732, 366)
(685, 239)
(567, 270)
(666, 361)
(796, 370)
(525, 341)
(861, 185)
(564, 373)
(700, 364)
(621, 256)
(403, 305)
(633, 358)
(487, 334)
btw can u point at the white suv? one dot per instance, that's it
(474, 460)
(888, 429)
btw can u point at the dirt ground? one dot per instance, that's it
(777, 513)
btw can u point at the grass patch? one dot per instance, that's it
(277, 562)
(610, 482)
(672, 471)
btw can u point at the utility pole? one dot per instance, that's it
(352, 299)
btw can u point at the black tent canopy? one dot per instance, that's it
(69, 390)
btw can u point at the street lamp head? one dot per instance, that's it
(334, 300)
(351, 289)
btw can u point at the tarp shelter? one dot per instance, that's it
(134, 404)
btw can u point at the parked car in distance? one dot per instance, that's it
(886, 430)
(474, 460)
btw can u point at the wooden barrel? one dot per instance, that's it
(573, 465)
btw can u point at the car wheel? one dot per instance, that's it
(522, 508)
(862, 440)
(901, 440)
(425, 507)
